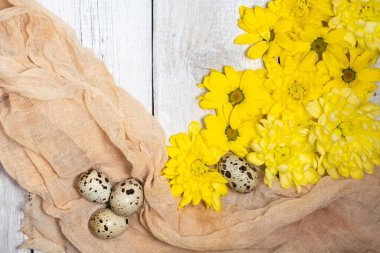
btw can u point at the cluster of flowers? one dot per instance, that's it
(307, 114)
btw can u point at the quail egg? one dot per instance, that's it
(240, 175)
(127, 197)
(94, 186)
(105, 224)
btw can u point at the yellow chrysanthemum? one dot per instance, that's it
(355, 72)
(362, 18)
(323, 43)
(189, 171)
(347, 134)
(295, 81)
(220, 134)
(284, 149)
(302, 12)
(265, 31)
(244, 91)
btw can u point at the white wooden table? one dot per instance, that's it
(156, 49)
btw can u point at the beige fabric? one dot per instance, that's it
(61, 114)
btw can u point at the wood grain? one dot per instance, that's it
(190, 38)
(12, 200)
(120, 33)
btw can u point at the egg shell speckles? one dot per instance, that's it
(127, 197)
(94, 186)
(105, 224)
(240, 175)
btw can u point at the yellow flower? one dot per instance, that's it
(295, 81)
(323, 43)
(220, 134)
(284, 149)
(347, 134)
(355, 72)
(264, 30)
(362, 18)
(302, 12)
(244, 91)
(189, 169)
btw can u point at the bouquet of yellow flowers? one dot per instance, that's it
(307, 114)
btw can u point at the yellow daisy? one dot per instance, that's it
(362, 18)
(355, 72)
(191, 170)
(302, 12)
(284, 149)
(220, 134)
(347, 134)
(295, 81)
(323, 43)
(265, 31)
(244, 91)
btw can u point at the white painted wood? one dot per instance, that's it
(120, 34)
(190, 38)
(12, 200)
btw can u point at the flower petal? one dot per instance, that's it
(248, 38)
(257, 50)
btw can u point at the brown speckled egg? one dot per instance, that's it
(241, 176)
(127, 197)
(105, 224)
(94, 186)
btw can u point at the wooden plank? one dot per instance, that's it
(120, 34)
(12, 200)
(191, 37)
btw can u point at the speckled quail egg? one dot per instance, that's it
(127, 197)
(241, 176)
(94, 186)
(105, 224)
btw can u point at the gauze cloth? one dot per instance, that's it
(61, 114)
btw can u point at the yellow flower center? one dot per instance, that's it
(319, 46)
(300, 8)
(345, 128)
(367, 11)
(348, 75)
(198, 168)
(272, 35)
(232, 134)
(282, 154)
(296, 91)
(236, 97)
